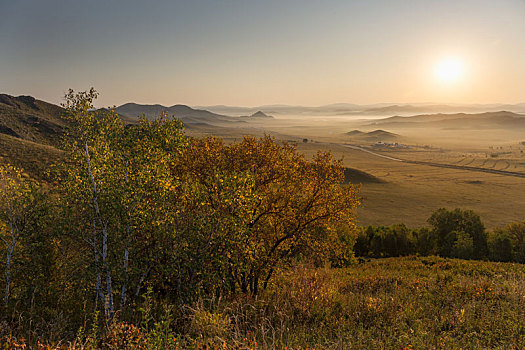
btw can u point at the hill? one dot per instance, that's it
(187, 114)
(373, 136)
(487, 120)
(355, 176)
(258, 115)
(29, 119)
(355, 133)
(30, 131)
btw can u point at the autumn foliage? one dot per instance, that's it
(256, 205)
(143, 207)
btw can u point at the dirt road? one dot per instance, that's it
(439, 165)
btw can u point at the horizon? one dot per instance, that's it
(296, 53)
(367, 105)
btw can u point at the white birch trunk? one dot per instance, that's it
(124, 287)
(98, 290)
(126, 252)
(109, 288)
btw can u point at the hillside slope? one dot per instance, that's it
(29, 119)
(30, 132)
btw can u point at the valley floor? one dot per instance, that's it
(411, 192)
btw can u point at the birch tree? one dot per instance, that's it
(14, 191)
(116, 176)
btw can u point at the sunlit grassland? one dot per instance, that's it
(411, 192)
(411, 302)
(395, 303)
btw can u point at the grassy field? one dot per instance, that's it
(396, 303)
(411, 192)
(399, 303)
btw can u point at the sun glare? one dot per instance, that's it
(449, 70)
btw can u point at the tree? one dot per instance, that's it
(15, 204)
(116, 178)
(362, 244)
(446, 222)
(386, 241)
(255, 205)
(425, 241)
(516, 232)
(463, 247)
(500, 245)
(510, 237)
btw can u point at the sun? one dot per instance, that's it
(449, 70)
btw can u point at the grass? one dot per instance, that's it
(34, 158)
(412, 192)
(396, 303)
(405, 302)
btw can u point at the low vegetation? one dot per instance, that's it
(391, 303)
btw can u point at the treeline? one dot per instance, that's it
(451, 233)
(138, 208)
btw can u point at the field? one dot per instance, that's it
(420, 303)
(411, 192)
(396, 303)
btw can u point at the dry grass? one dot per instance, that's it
(413, 191)
(396, 303)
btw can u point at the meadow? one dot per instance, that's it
(411, 192)
(395, 303)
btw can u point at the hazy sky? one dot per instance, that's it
(255, 52)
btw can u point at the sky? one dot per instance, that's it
(253, 52)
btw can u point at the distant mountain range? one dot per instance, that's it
(188, 115)
(487, 120)
(381, 109)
